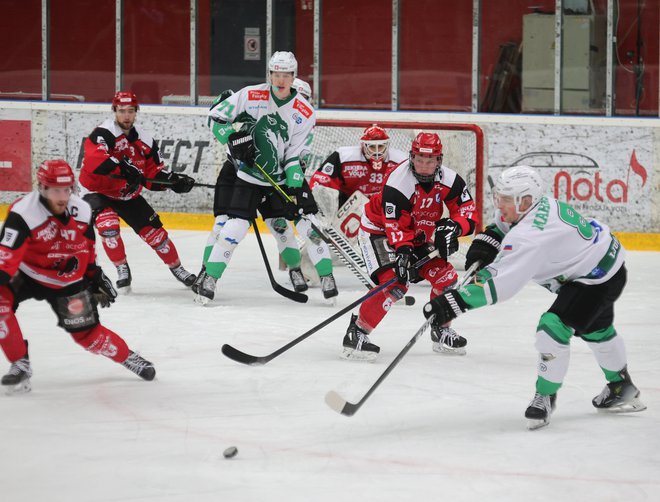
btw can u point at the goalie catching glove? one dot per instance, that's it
(484, 247)
(101, 288)
(241, 147)
(445, 307)
(447, 232)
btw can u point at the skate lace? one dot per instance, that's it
(541, 402)
(181, 272)
(136, 363)
(328, 282)
(297, 277)
(209, 282)
(447, 335)
(20, 366)
(122, 271)
(362, 339)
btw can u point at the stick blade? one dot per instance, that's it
(291, 295)
(241, 357)
(339, 404)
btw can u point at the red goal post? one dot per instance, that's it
(463, 146)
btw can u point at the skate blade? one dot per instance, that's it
(331, 302)
(20, 388)
(628, 407)
(450, 351)
(126, 290)
(358, 355)
(201, 300)
(533, 424)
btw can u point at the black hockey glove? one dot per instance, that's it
(484, 248)
(102, 289)
(403, 259)
(131, 174)
(221, 97)
(181, 183)
(445, 307)
(419, 252)
(241, 147)
(447, 232)
(293, 210)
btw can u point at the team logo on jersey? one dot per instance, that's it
(302, 108)
(47, 233)
(4, 330)
(465, 196)
(9, 237)
(390, 210)
(258, 95)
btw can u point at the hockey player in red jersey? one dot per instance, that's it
(119, 157)
(47, 250)
(403, 224)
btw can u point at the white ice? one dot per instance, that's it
(438, 428)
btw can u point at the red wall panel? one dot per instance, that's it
(15, 156)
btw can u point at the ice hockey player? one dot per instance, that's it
(276, 123)
(119, 157)
(47, 248)
(401, 225)
(539, 238)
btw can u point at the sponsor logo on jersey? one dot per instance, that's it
(297, 118)
(302, 108)
(354, 170)
(465, 196)
(258, 95)
(75, 306)
(47, 233)
(390, 210)
(4, 330)
(327, 168)
(4, 255)
(9, 237)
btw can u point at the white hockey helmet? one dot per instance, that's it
(283, 61)
(518, 182)
(303, 88)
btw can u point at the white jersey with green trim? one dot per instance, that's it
(280, 131)
(551, 245)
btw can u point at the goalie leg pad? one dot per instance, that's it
(102, 341)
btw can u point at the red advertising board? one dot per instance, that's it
(15, 158)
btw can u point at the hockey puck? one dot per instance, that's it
(230, 452)
(410, 300)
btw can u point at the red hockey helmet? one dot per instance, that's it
(125, 98)
(55, 173)
(375, 143)
(426, 144)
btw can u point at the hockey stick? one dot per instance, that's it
(340, 405)
(287, 293)
(242, 357)
(167, 183)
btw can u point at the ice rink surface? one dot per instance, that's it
(439, 428)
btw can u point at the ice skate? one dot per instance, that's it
(619, 397)
(329, 286)
(140, 366)
(298, 280)
(447, 341)
(182, 275)
(204, 289)
(124, 279)
(17, 380)
(357, 346)
(539, 410)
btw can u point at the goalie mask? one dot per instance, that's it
(426, 152)
(516, 183)
(283, 61)
(375, 143)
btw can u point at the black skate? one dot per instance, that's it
(539, 410)
(329, 286)
(619, 397)
(199, 280)
(357, 346)
(182, 275)
(298, 280)
(17, 380)
(204, 289)
(124, 279)
(140, 366)
(447, 341)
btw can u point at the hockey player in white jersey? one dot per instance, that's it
(539, 238)
(276, 123)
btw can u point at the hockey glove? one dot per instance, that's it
(292, 211)
(131, 173)
(241, 147)
(102, 290)
(447, 232)
(402, 263)
(445, 307)
(221, 97)
(419, 252)
(181, 183)
(484, 248)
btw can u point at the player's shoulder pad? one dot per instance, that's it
(303, 106)
(145, 136)
(31, 210)
(402, 179)
(80, 209)
(350, 153)
(447, 176)
(396, 155)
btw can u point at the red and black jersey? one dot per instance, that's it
(105, 147)
(407, 211)
(55, 251)
(347, 170)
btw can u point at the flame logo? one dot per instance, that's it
(637, 168)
